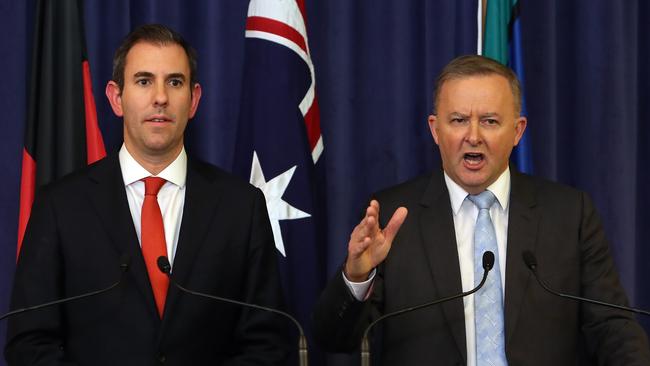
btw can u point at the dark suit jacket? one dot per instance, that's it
(81, 225)
(557, 223)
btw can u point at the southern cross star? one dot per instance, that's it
(277, 207)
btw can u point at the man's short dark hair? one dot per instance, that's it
(156, 34)
(475, 65)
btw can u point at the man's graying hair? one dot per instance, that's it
(475, 65)
(156, 34)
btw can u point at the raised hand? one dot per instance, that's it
(369, 244)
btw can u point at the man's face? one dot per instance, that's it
(476, 129)
(156, 101)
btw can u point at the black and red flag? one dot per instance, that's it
(61, 133)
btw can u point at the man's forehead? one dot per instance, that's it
(144, 55)
(486, 79)
(476, 88)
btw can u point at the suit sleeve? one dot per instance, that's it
(261, 336)
(613, 336)
(339, 319)
(35, 338)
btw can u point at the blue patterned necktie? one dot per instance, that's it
(488, 301)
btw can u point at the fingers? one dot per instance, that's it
(394, 224)
(369, 225)
(372, 218)
(356, 248)
(369, 236)
(369, 245)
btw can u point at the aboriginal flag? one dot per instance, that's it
(61, 132)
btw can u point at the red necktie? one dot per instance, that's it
(153, 240)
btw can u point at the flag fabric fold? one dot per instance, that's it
(280, 146)
(61, 133)
(502, 42)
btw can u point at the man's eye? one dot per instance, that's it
(175, 82)
(458, 120)
(491, 121)
(142, 82)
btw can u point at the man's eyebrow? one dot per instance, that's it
(141, 74)
(147, 74)
(490, 114)
(457, 115)
(176, 75)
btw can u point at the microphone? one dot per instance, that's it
(531, 263)
(165, 267)
(125, 260)
(488, 263)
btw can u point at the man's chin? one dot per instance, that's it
(473, 183)
(161, 147)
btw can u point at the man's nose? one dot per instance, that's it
(160, 96)
(473, 136)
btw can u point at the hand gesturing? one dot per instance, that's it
(369, 244)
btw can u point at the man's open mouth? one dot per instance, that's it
(473, 158)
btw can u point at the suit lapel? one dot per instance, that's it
(522, 231)
(201, 198)
(439, 241)
(108, 197)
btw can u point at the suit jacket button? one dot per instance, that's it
(162, 358)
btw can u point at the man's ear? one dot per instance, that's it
(520, 127)
(432, 127)
(196, 96)
(114, 95)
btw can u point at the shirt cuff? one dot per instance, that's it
(361, 290)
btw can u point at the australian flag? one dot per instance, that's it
(280, 146)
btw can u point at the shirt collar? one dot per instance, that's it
(132, 171)
(500, 188)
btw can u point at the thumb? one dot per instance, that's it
(394, 224)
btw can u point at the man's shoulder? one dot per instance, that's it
(76, 180)
(411, 193)
(557, 197)
(412, 187)
(543, 186)
(217, 176)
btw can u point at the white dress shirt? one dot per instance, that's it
(465, 214)
(171, 196)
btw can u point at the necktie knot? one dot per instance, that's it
(483, 200)
(152, 185)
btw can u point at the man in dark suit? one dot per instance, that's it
(428, 250)
(213, 228)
